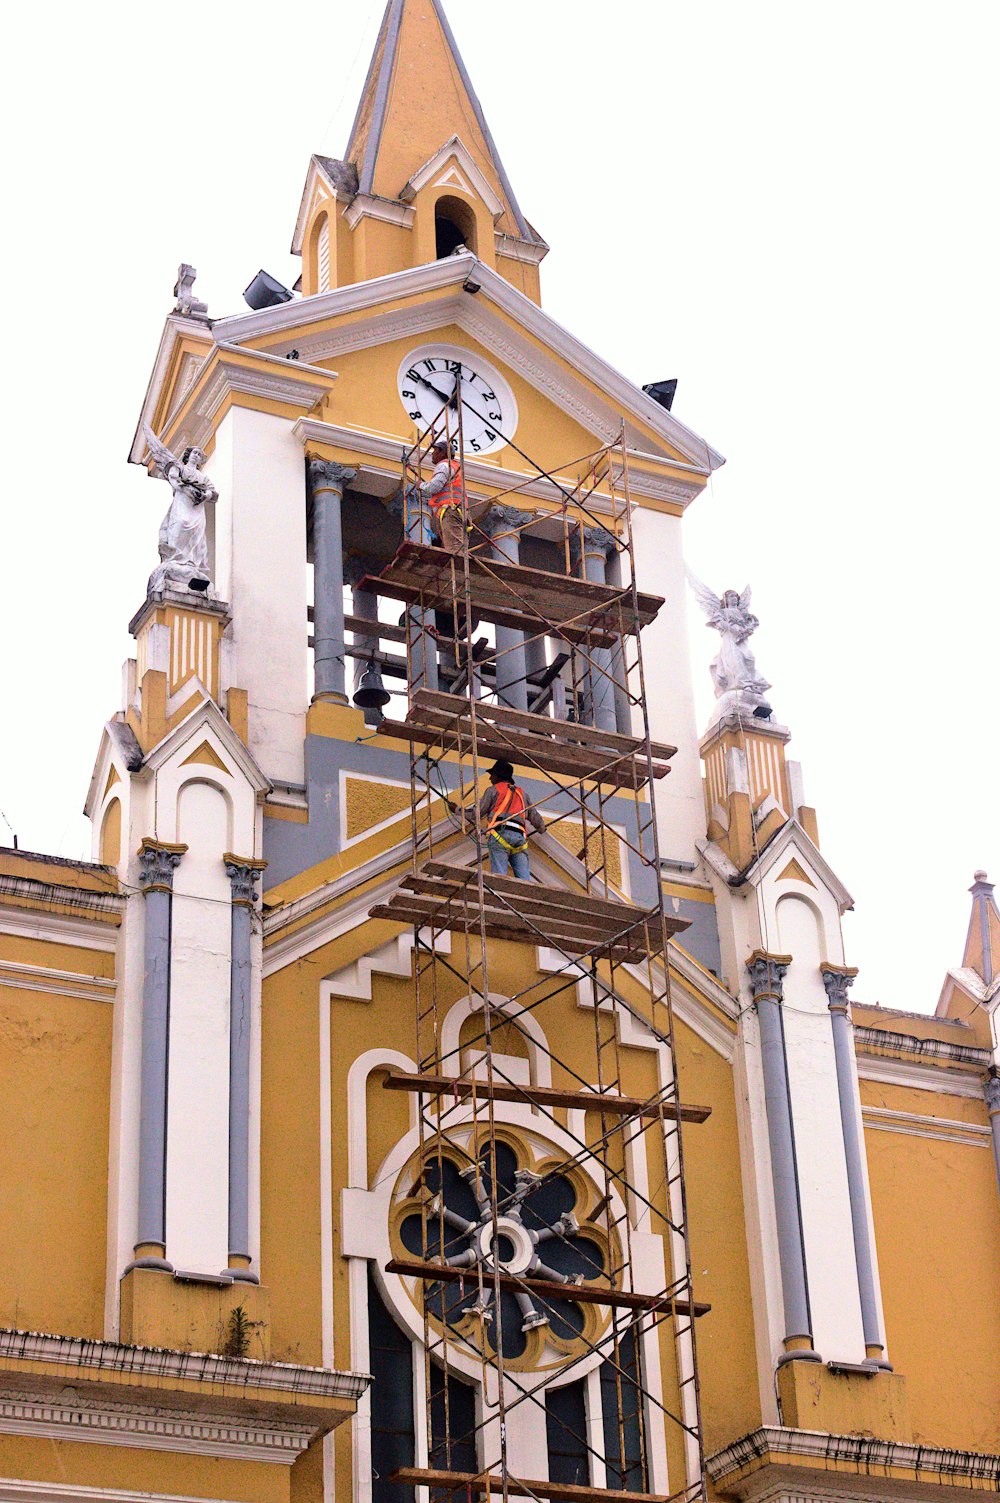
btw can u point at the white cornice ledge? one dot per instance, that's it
(865, 1452)
(154, 1363)
(269, 376)
(31, 890)
(879, 1040)
(384, 447)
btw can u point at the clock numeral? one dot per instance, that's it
(490, 434)
(416, 416)
(456, 367)
(429, 365)
(474, 445)
(490, 396)
(411, 394)
(496, 417)
(412, 374)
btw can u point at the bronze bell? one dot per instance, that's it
(371, 692)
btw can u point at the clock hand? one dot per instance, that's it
(437, 390)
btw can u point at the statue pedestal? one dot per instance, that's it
(178, 637)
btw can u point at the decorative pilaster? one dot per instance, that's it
(837, 979)
(327, 480)
(244, 874)
(590, 556)
(767, 974)
(992, 1091)
(502, 523)
(157, 864)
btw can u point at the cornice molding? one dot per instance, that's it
(870, 1040)
(920, 1077)
(916, 1125)
(39, 978)
(174, 329)
(235, 1437)
(17, 1490)
(531, 251)
(29, 890)
(380, 446)
(863, 1451)
(271, 376)
(363, 206)
(58, 929)
(246, 1374)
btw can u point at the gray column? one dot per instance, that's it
(837, 979)
(327, 480)
(993, 1105)
(157, 862)
(767, 972)
(243, 873)
(623, 705)
(421, 646)
(600, 707)
(534, 662)
(502, 522)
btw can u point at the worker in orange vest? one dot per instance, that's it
(505, 812)
(442, 494)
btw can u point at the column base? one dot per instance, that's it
(329, 697)
(150, 1255)
(802, 1354)
(239, 1269)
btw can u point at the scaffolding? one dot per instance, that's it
(493, 1254)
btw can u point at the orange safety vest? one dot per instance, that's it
(508, 809)
(451, 492)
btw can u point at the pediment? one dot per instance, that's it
(512, 330)
(453, 165)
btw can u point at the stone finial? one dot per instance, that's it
(837, 979)
(992, 1092)
(329, 474)
(244, 874)
(767, 974)
(186, 302)
(157, 864)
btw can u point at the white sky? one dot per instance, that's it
(790, 207)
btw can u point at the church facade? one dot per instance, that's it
(334, 1166)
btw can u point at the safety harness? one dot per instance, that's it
(508, 813)
(451, 492)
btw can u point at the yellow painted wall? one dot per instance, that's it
(55, 1061)
(133, 1469)
(937, 1230)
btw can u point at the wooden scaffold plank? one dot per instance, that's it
(547, 1097)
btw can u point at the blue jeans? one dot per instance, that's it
(417, 524)
(502, 860)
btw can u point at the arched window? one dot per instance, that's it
(454, 225)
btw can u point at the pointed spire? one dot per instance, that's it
(417, 94)
(982, 945)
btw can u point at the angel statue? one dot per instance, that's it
(183, 540)
(738, 685)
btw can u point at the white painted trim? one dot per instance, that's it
(478, 183)
(365, 777)
(877, 1040)
(234, 1437)
(206, 716)
(15, 1490)
(39, 978)
(315, 170)
(34, 889)
(899, 1072)
(531, 252)
(916, 1125)
(174, 329)
(280, 380)
(385, 209)
(354, 982)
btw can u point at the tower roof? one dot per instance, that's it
(417, 95)
(982, 944)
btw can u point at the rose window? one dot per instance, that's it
(545, 1229)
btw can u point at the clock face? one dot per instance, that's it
(433, 380)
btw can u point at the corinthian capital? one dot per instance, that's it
(767, 974)
(328, 474)
(157, 864)
(503, 519)
(244, 874)
(837, 979)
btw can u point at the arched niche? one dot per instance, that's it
(204, 820)
(454, 225)
(320, 259)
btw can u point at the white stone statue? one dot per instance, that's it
(738, 685)
(183, 537)
(186, 302)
